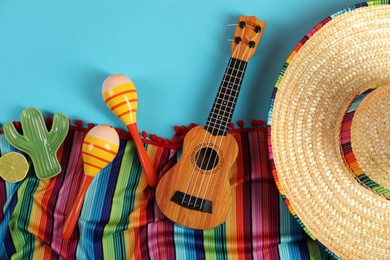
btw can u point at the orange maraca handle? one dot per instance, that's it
(74, 213)
(147, 166)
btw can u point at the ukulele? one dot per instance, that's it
(196, 192)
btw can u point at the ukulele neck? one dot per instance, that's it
(221, 113)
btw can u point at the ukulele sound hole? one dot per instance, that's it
(206, 158)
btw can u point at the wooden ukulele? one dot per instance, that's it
(196, 192)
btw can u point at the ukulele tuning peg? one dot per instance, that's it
(236, 40)
(242, 24)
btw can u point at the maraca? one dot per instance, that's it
(120, 95)
(99, 148)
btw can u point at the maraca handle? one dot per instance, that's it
(74, 213)
(144, 159)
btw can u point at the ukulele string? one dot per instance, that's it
(192, 173)
(210, 174)
(248, 51)
(203, 144)
(238, 49)
(198, 171)
(215, 160)
(209, 180)
(216, 140)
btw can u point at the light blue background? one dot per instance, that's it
(54, 55)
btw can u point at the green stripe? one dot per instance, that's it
(220, 242)
(315, 251)
(24, 242)
(209, 244)
(378, 2)
(114, 242)
(374, 185)
(131, 173)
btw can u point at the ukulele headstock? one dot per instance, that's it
(246, 37)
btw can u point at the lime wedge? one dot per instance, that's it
(13, 167)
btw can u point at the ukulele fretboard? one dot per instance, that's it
(221, 114)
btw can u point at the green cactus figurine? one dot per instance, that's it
(40, 144)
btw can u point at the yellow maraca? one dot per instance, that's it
(99, 148)
(120, 95)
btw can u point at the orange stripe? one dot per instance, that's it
(123, 103)
(44, 205)
(96, 157)
(157, 157)
(127, 112)
(100, 147)
(92, 165)
(137, 242)
(120, 93)
(48, 187)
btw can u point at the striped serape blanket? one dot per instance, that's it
(120, 219)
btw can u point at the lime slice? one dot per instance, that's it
(13, 167)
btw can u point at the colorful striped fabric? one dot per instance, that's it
(120, 219)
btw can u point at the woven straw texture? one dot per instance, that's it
(370, 135)
(342, 57)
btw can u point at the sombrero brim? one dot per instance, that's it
(339, 59)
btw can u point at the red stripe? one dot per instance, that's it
(54, 204)
(124, 103)
(240, 231)
(100, 147)
(68, 193)
(119, 94)
(92, 165)
(96, 157)
(246, 195)
(127, 112)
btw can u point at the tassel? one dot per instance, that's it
(79, 123)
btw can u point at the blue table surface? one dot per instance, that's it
(54, 55)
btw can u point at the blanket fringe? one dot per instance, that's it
(175, 142)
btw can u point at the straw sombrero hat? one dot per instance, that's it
(329, 132)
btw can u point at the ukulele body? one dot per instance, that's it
(196, 192)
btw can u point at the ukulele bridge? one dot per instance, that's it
(191, 202)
